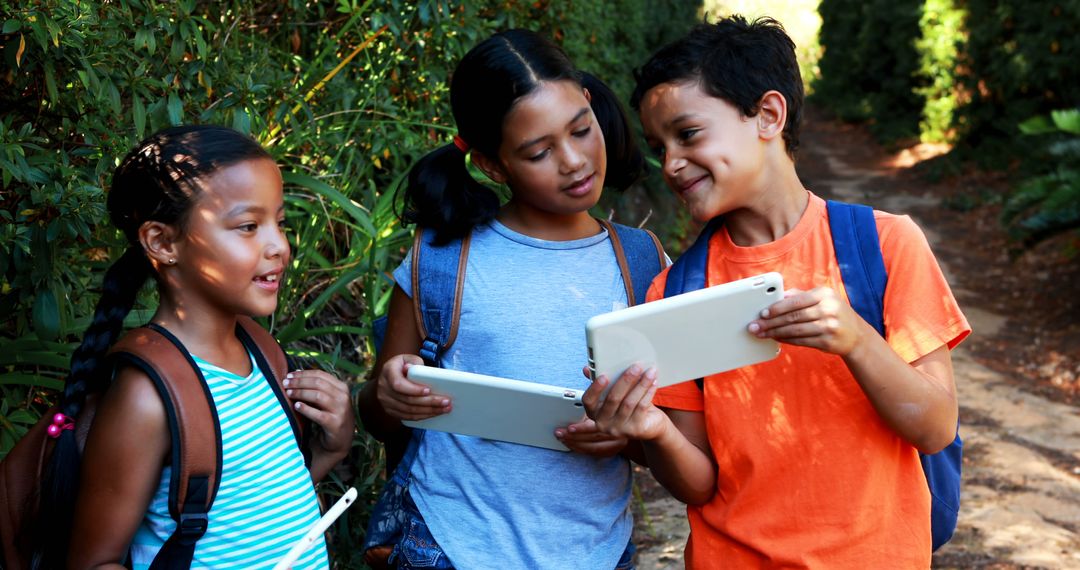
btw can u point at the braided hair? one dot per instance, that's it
(158, 181)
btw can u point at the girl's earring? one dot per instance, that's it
(172, 261)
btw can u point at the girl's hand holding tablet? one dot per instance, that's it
(627, 410)
(404, 399)
(586, 438)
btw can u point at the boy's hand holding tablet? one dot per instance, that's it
(687, 336)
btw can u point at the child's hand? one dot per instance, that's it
(818, 319)
(586, 438)
(323, 399)
(627, 410)
(404, 399)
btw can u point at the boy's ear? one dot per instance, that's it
(772, 115)
(160, 243)
(491, 168)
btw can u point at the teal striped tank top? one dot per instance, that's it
(266, 501)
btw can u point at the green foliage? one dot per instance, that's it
(1019, 60)
(1049, 204)
(981, 68)
(345, 94)
(939, 47)
(869, 65)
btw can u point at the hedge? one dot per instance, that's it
(345, 94)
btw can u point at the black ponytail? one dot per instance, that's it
(157, 181)
(492, 76)
(443, 195)
(88, 376)
(625, 163)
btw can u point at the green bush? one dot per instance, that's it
(939, 46)
(869, 65)
(1019, 60)
(345, 94)
(1049, 204)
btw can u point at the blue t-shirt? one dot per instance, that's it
(500, 505)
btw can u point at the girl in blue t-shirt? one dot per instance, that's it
(538, 267)
(202, 210)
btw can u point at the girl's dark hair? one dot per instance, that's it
(157, 181)
(734, 60)
(484, 87)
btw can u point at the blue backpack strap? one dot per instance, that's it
(438, 280)
(858, 253)
(640, 258)
(690, 271)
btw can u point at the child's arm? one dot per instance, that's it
(675, 442)
(391, 397)
(917, 400)
(323, 399)
(129, 430)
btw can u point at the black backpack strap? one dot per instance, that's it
(274, 365)
(196, 450)
(438, 281)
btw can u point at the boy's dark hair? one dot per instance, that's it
(484, 87)
(159, 180)
(734, 60)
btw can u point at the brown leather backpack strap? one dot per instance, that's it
(193, 425)
(620, 258)
(664, 262)
(20, 476)
(274, 365)
(418, 242)
(267, 345)
(459, 289)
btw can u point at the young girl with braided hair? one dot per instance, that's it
(202, 209)
(538, 267)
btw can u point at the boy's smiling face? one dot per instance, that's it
(712, 156)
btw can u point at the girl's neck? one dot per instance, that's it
(208, 334)
(548, 225)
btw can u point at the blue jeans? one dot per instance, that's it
(418, 549)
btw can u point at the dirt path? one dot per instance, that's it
(1020, 507)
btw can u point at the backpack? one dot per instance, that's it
(858, 253)
(193, 426)
(438, 280)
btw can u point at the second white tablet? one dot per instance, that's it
(687, 336)
(499, 408)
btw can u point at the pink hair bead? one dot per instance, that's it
(60, 422)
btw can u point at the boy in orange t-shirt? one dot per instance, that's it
(809, 460)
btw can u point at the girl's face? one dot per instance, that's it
(233, 253)
(552, 153)
(711, 155)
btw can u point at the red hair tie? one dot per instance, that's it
(461, 144)
(60, 422)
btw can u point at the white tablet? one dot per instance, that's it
(687, 336)
(499, 408)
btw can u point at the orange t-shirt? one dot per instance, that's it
(809, 476)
